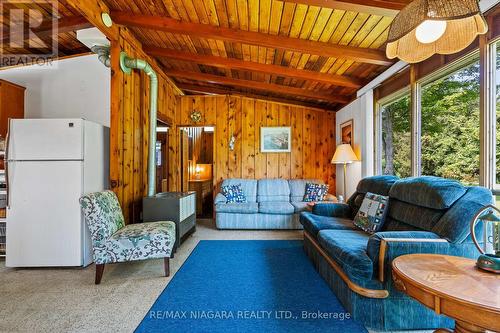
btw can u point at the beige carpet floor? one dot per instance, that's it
(66, 299)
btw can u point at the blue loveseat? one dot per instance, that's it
(270, 204)
(426, 215)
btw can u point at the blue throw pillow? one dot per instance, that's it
(371, 214)
(233, 193)
(315, 192)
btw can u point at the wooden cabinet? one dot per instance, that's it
(11, 104)
(203, 189)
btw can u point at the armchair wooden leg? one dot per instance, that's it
(99, 269)
(166, 263)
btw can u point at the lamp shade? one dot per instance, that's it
(426, 27)
(344, 154)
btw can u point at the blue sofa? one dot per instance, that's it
(271, 204)
(426, 215)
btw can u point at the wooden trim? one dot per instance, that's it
(207, 90)
(487, 115)
(167, 24)
(231, 63)
(2, 81)
(257, 85)
(370, 293)
(415, 123)
(383, 249)
(372, 7)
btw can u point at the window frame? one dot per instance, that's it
(490, 107)
(378, 124)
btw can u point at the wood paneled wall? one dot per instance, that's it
(130, 109)
(313, 137)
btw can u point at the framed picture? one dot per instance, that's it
(275, 139)
(347, 132)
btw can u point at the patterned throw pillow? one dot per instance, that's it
(233, 193)
(371, 214)
(315, 192)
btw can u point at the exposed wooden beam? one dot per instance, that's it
(275, 88)
(373, 7)
(250, 37)
(92, 10)
(197, 89)
(231, 63)
(65, 24)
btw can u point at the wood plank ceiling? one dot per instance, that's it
(69, 21)
(308, 52)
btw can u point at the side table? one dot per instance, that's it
(451, 286)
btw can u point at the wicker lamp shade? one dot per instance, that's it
(462, 20)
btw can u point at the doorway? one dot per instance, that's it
(197, 149)
(162, 157)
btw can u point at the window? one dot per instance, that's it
(496, 83)
(395, 145)
(450, 136)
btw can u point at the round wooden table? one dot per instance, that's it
(451, 286)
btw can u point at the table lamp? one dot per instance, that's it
(491, 224)
(344, 155)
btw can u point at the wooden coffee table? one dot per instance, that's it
(451, 286)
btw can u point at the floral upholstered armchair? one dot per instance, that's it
(113, 241)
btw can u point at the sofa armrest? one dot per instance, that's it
(220, 198)
(384, 247)
(333, 210)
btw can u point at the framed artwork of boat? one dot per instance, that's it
(275, 139)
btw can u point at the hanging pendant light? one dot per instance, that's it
(426, 27)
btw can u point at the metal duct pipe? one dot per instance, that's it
(127, 64)
(102, 54)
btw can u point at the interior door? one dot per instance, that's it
(44, 224)
(184, 160)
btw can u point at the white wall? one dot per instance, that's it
(77, 87)
(361, 111)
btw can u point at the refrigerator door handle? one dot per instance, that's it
(6, 164)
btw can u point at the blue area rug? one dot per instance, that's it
(248, 286)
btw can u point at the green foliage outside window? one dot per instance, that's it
(450, 129)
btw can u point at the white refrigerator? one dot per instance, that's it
(51, 163)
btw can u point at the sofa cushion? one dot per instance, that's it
(376, 184)
(240, 208)
(348, 249)
(233, 193)
(315, 192)
(428, 191)
(454, 226)
(373, 246)
(273, 190)
(315, 223)
(420, 217)
(276, 207)
(371, 215)
(249, 187)
(300, 207)
(298, 188)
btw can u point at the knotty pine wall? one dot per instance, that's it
(313, 137)
(129, 124)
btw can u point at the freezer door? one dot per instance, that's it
(45, 139)
(44, 220)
